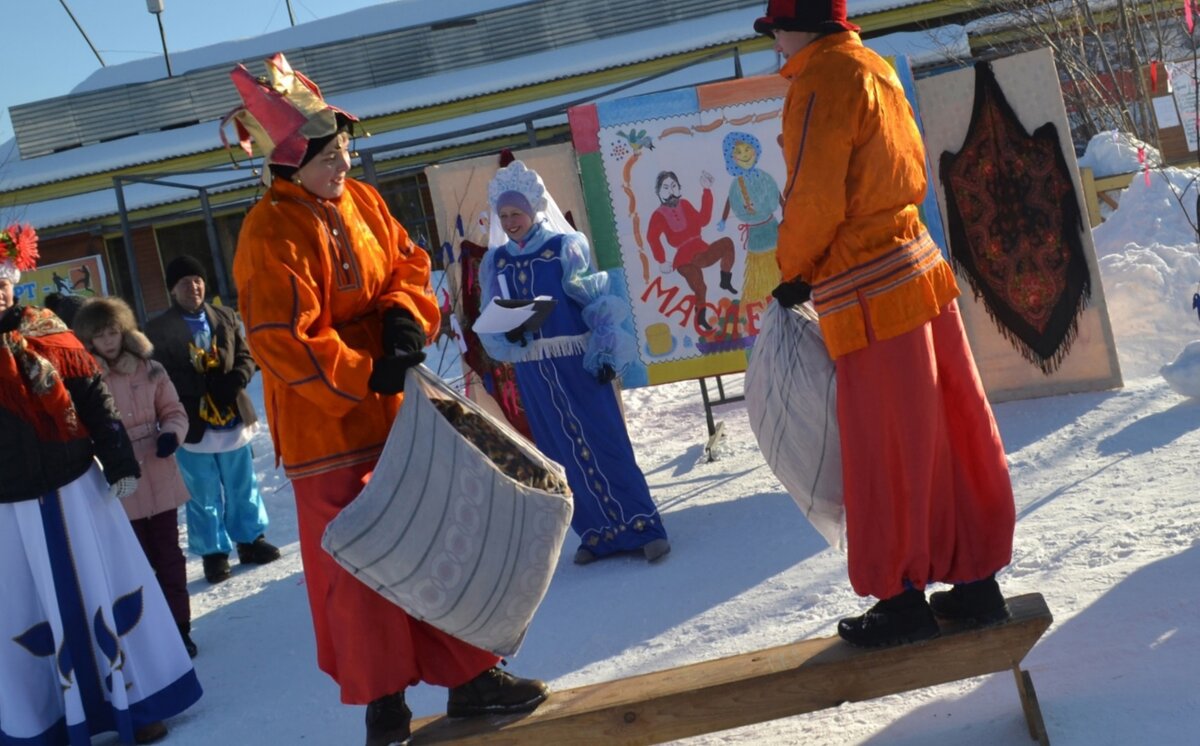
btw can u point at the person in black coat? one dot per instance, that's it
(204, 350)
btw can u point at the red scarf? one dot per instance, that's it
(34, 360)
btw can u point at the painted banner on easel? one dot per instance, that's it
(683, 191)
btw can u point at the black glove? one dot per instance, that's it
(167, 443)
(606, 374)
(516, 336)
(792, 293)
(224, 387)
(401, 333)
(387, 376)
(11, 318)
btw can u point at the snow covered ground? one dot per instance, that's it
(1108, 523)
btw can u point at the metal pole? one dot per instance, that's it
(139, 305)
(291, 15)
(163, 35)
(82, 32)
(367, 161)
(214, 246)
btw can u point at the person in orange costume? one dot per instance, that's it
(337, 306)
(926, 484)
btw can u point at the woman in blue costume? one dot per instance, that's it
(565, 368)
(87, 642)
(753, 198)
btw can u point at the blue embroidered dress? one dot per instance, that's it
(575, 420)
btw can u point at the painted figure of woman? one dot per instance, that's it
(753, 199)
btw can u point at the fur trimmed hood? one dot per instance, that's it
(97, 314)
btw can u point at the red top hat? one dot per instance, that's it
(281, 112)
(821, 16)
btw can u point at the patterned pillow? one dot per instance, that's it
(442, 530)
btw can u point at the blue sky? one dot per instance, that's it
(46, 56)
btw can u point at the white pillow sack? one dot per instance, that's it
(792, 404)
(445, 534)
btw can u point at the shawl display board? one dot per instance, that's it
(683, 191)
(1030, 86)
(1015, 226)
(459, 194)
(462, 521)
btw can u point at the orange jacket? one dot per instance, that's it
(313, 278)
(856, 173)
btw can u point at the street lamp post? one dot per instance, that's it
(156, 7)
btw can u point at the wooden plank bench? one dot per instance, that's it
(756, 687)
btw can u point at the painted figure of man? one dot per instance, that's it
(677, 222)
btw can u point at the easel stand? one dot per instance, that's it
(716, 431)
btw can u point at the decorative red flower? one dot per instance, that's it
(19, 246)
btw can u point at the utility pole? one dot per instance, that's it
(84, 33)
(156, 7)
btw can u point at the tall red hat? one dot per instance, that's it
(820, 16)
(280, 112)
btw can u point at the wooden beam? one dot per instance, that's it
(756, 687)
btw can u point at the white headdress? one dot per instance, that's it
(517, 177)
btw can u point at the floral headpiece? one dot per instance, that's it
(517, 177)
(18, 251)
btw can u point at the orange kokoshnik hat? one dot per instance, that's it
(281, 112)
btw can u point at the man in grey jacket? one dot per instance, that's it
(205, 353)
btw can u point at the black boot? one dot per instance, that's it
(893, 621)
(185, 634)
(258, 552)
(389, 721)
(216, 567)
(151, 733)
(727, 283)
(978, 604)
(495, 692)
(702, 322)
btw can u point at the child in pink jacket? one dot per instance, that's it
(156, 423)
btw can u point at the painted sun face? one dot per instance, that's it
(743, 154)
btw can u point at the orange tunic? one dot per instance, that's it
(313, 278)
(856, 171)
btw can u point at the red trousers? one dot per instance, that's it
(370, 646)
(927, 491)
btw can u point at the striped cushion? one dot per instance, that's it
(792, 405)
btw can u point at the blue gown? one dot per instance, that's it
(575, 420)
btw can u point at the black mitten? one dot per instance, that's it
(792, 293)
(401, 333)
(387, 375)
(606, 374)
(516, 336)
(224, 387)
(167, 443)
